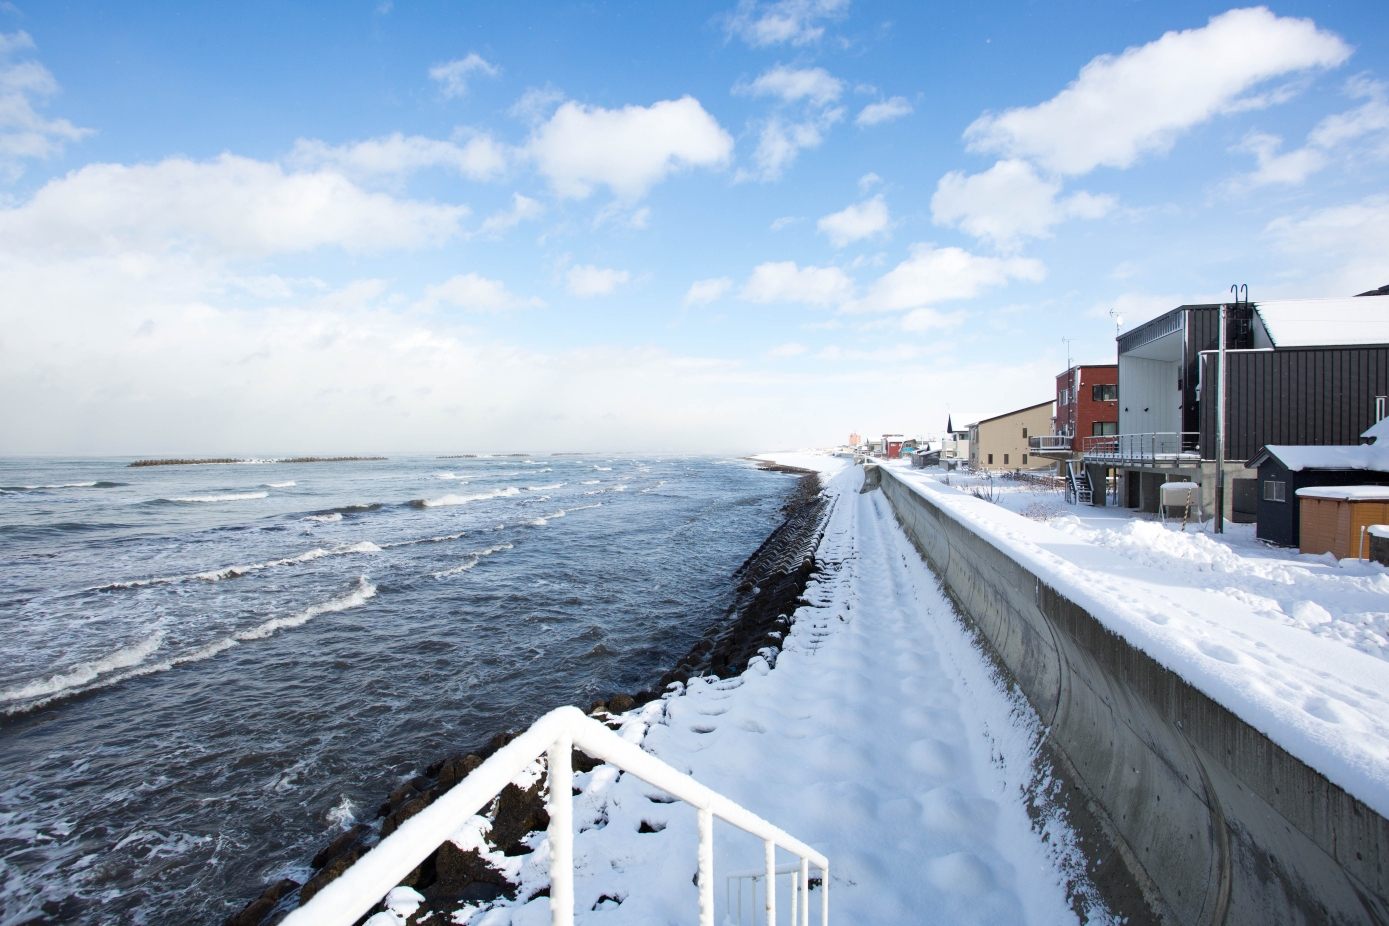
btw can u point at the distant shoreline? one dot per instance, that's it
(234, 460)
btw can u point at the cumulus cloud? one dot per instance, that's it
(783, 281)
(229, 205)
(479, 158)
(629, 150)
(523, 209)
(781, 140)
(1293, 167)
(1009, 202)
(931, 275)
(920, 320)
(703, 292)
(797, 22)
(792, 85)
(1123, 106)
(477, 294)
(452, 76)
(587, 280)
(856, 222)
(885, 111)
(24, 133)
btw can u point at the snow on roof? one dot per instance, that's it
(1379, 530)
(1320, 322)
(1373, 457)
(1376, 431)
(1347, 493)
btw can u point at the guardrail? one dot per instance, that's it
(1155, 447)
(800, 885)
(1043, 443)
(357, 890)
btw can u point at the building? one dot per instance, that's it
(855, 439)
(892, 446)
(1285, 471)
(1300, 372)
(1001, 442)
(1087, 404)
(955, 446)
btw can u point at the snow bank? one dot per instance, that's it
(1295, 646)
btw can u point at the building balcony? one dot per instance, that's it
(1050, 443)
(1153, 449)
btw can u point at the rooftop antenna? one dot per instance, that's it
(1068, 351)
(1118, 320)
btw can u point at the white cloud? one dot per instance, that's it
(791, 85)
(629, 150)
(1009, 202)
(785, 282)
(919, 320)
(885, 111)
(536, 103)
(783, 351)
(793, 21)
(453, 75)
(587, 280)
(1294, 167)
(785, 221)
(24, 134)
(228, 205)
(523, 209)
(477, 294)
(703, 292)
(1343, 249)
(1139, 101)
(868, 181)
(479, 158)
(781, 141)
(856, 222)
(934, 275)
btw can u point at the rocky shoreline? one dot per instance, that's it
(770, 586)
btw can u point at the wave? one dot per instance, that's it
(279, 485)
(64, 485)
(473, 559)
(464, 499)
(590, 482)
(232, 572)
(449, 476)
(606, 469)
(229, 497)
(545, 488)
(334, 516)
(80, 678)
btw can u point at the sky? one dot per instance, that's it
(695, 227)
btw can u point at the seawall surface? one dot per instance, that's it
(1198, 817)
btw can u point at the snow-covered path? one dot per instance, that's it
(880, 737)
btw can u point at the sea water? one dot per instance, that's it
(207, 671)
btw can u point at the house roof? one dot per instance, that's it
(1015, 411)
(1372, 457)
(1325, 322)
(1347, 493)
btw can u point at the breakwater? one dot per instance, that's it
(1189, 815)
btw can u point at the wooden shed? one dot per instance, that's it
(1334, 518)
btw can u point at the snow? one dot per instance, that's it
(1363, 456)
(1377, 430)
(1347, 493)
(1297, 646)
(1379, 530)
(1317, 322)
(880, 736)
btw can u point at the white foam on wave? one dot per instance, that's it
(590, 482)
(279, 485)
(232, 572)
(60, 485)
(473, 559)
(334, 516)
(464, 499)
(79, 678)
(545, 488)
(229, 497)
(606, 469)
(618, 488)
(448, 476)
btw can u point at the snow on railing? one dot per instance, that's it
(343, 901)
(1049, 442)
(800, 889)
(1156, 447)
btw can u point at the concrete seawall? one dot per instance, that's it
(1189, 815)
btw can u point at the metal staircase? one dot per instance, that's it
(1078, 488)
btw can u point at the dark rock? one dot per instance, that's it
(392, 822)
(497, 742)
(339, 845)
(456, 871)
(582, 762)
(456, 769)
(518, 813)
(330, 872)
(598, 707)
(255, 912)
(619, 704)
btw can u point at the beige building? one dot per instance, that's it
(1000, 442)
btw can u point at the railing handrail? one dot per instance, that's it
(343, 901)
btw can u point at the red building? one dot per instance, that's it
(1087, 403)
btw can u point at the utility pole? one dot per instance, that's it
(1220, 430)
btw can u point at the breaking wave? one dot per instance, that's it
(545, 488)
(279, 485)
(86, 672)
(464, 499)
(473, 559)
(333, 516)
(232, 572)
(229, 497)
(64, 485)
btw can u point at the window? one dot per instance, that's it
(1005, 459)
(1275, 491)
(991, 459)
(1099, 428)
(1024, 433)
(1024, 459)
(1105, 393)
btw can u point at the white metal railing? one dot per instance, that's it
(800, 888)
(343, 901)
(1155, 447)
(1043, 443)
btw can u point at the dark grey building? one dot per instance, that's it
(1283, 470)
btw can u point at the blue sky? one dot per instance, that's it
(713, 226)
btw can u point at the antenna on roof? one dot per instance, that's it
(1118, 320)
(1068, 351)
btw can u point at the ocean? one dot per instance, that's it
(207, 671)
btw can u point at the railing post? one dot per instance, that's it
(561, 832)
(770, 849)
(805, 886)
(706, 866)
(825, 896)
